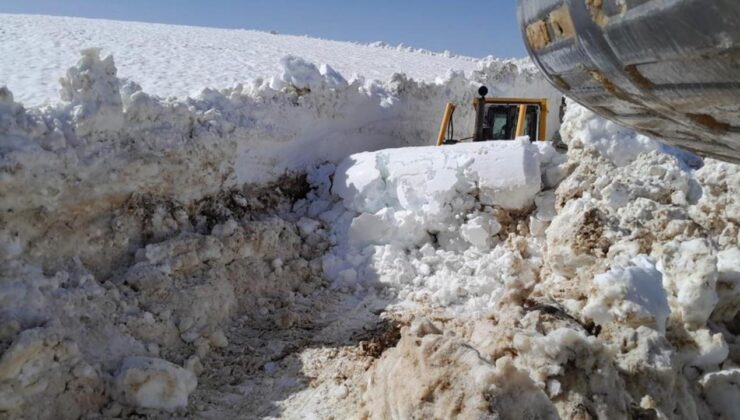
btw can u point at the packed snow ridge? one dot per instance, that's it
(277, 250)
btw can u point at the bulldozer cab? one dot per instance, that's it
(499, 119)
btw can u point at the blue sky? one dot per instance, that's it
(476, 28)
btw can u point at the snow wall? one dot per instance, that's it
(107, 138)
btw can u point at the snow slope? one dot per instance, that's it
(169, 60)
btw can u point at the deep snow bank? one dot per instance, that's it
(108, 139)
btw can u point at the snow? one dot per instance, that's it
(630, 294)
(414, 216)
(170, 60)
(154, 383)
(91, 91)
(277, 248)
(693, 272)
(723, 390)
(426, 179)
(618, 144)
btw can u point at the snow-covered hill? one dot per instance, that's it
(169, 60)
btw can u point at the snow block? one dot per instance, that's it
(503, 173)
(402, 195)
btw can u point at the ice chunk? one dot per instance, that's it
(728, 284)
(480, 229)
(545, 203)
(711, 348)
(360, 184)
(308, 226)
(630, 294)
(722, 390)
(728, 265)
(690, 269)
(332, 77)
(93, 90)
(298, 72)
(154, 383)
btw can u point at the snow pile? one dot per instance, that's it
(429, 220)
(582, 128)
(630, 251)
(300, 74)
(141, 333)
(444, 377)
(91, 91)
(632, 310)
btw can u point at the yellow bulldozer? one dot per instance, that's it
(499, 119)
